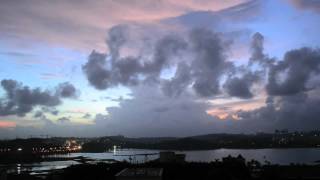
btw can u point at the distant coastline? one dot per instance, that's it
(58, 145)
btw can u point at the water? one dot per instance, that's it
(274, 156)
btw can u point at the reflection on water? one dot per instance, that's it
(274, 156)
(37, 168)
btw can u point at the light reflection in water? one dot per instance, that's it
(18, 168)
(275, 156)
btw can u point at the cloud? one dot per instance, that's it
(179, 83)
(116, 38)
(313, 5)
(209, 63)
(94, 69)
(240, 87)
(203, 49)
(67, 90)
(200, 59)
(293, 87)
(294, 112)
(20, 99)
(218, 19)
(242, 78)
(85, 25)
(17, 54)
(159, 115)
(51, 110)
(38, 114)
(176, 73)
(201, 71)
(103, 71)
(7, 124)
(291, 75)
(257, 47)
(87, 116)
(64, 120)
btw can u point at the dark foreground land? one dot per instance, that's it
(229, 168)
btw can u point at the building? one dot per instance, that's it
(169, 156)
(140, 174)
(3, 174)
(232, 160)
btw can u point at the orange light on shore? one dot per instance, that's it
(7, 124)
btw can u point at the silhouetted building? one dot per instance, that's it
(3, 174)
(169, 156)
(140, 174)
(230, 159)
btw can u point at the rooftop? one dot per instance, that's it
(141, 172)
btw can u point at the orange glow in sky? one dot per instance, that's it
(7, 124)
(224, 110)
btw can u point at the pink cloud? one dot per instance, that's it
(228, 110)
(7, 124)
(83, 25)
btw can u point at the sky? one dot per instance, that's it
(146, 68)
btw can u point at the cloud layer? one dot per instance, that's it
(169, 67)
(202, 72)
(20, 99)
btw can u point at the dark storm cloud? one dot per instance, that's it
(104, 71)
(291, 75)
(209, 63)
(116, 38)
(67, 90)
(206, 65)
(64, 120)
(95, 70)
(165, 48)
(51, 110)
(102, 77)
(294, 112)
(240, 86)
(201, 67)
(204, 50)
(20, 99)
(179, 83)
(257, 47)
(157, 115)
(293, 100)
(38, 114)
(257, 52)
(55, 112)
(293, 91)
